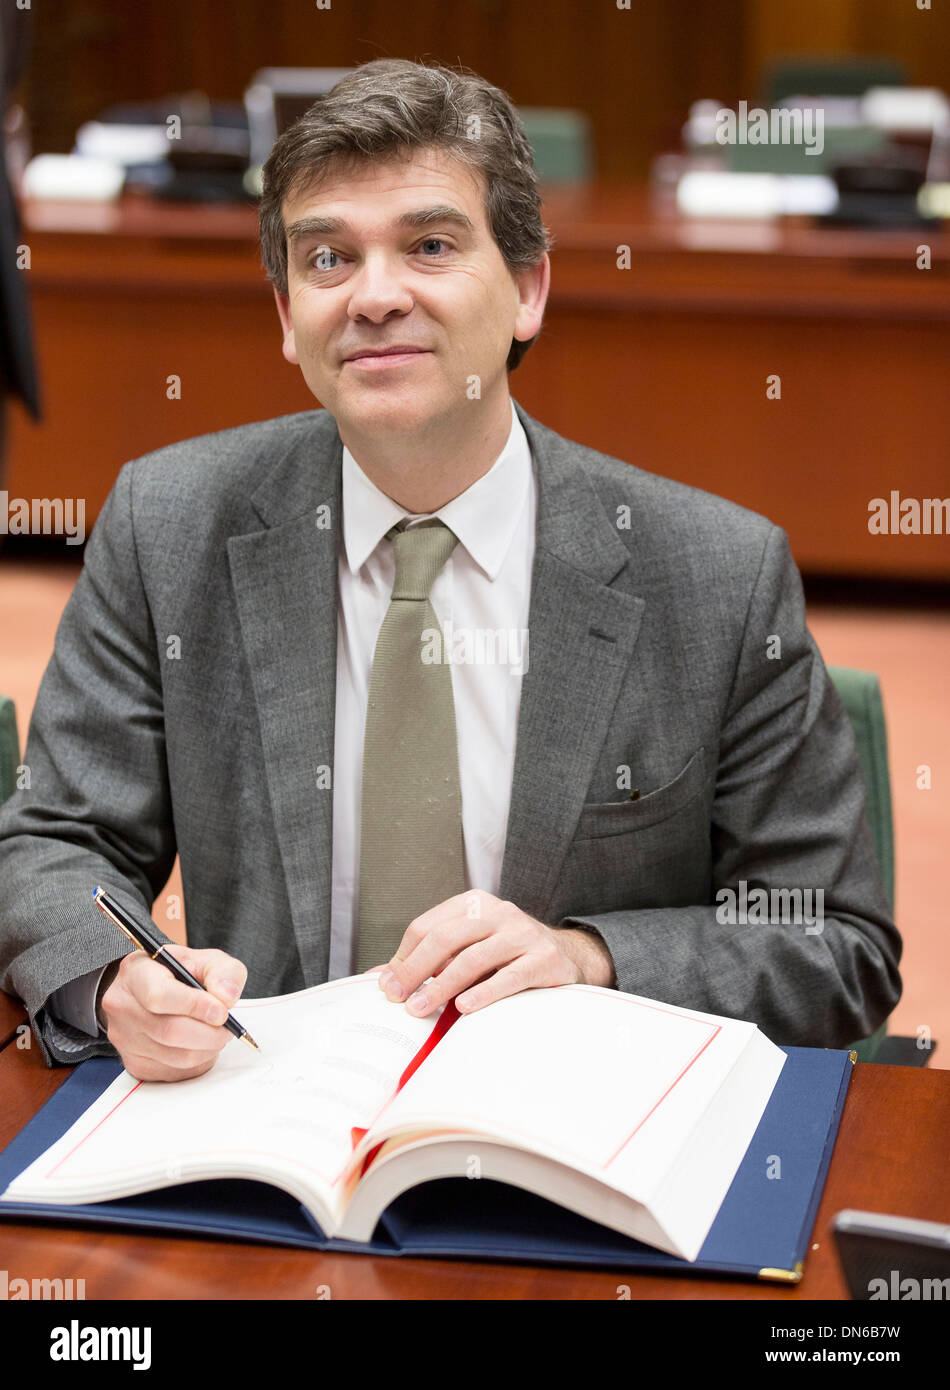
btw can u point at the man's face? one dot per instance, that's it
(399, 253)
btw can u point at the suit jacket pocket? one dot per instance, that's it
(599, 818)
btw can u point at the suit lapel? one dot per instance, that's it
(285, 583)
(582, 634)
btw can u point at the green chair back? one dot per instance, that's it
(860, 693)
(9, 748)
(561, 141)
(844, 76)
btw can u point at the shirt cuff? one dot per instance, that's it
(75, 1003)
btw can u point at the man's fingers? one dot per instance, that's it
(440, 945)
(220, 974)
(483, 958)
(474, 905)
(155, 990)
(541, 968)
(185, 1034)
(441, 912)
(511, 979)
(165, 1030)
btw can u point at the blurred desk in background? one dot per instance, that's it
(664, 364)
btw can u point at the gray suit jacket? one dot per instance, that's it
(652, 606)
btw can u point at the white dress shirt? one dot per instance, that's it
(481, 598)
(484, 588)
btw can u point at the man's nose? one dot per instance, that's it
(378, 287)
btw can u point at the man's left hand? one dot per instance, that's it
(479, 949)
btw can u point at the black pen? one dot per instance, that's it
(146, 940)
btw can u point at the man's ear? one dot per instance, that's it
(533, 286)
(286, 323)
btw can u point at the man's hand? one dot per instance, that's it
(164, 1030)
(480, 949)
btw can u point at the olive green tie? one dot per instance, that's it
(411, 854)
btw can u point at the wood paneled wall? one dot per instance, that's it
(635, 71)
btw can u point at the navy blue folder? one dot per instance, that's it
(762, 1228)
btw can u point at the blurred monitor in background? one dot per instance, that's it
(275, 99)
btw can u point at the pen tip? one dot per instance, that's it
(246, 1037)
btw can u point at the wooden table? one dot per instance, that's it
(664, 364)
(891, 1155)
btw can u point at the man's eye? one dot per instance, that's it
(325, 259)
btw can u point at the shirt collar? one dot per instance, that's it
(483, 517)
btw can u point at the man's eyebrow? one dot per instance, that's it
(417, 217)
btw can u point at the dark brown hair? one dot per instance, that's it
(389, 107)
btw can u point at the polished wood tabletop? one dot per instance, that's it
(890, 1156)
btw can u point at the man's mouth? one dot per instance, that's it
(387, 357)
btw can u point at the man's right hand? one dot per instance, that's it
(164, 1030)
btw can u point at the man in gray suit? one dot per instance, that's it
(673, 746)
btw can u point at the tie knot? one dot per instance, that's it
(420, 552)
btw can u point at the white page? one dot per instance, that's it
(631, 1112)
(330, 1058)
(609, 1083)
(686, 1201)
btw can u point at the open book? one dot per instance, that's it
(633, 1113)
